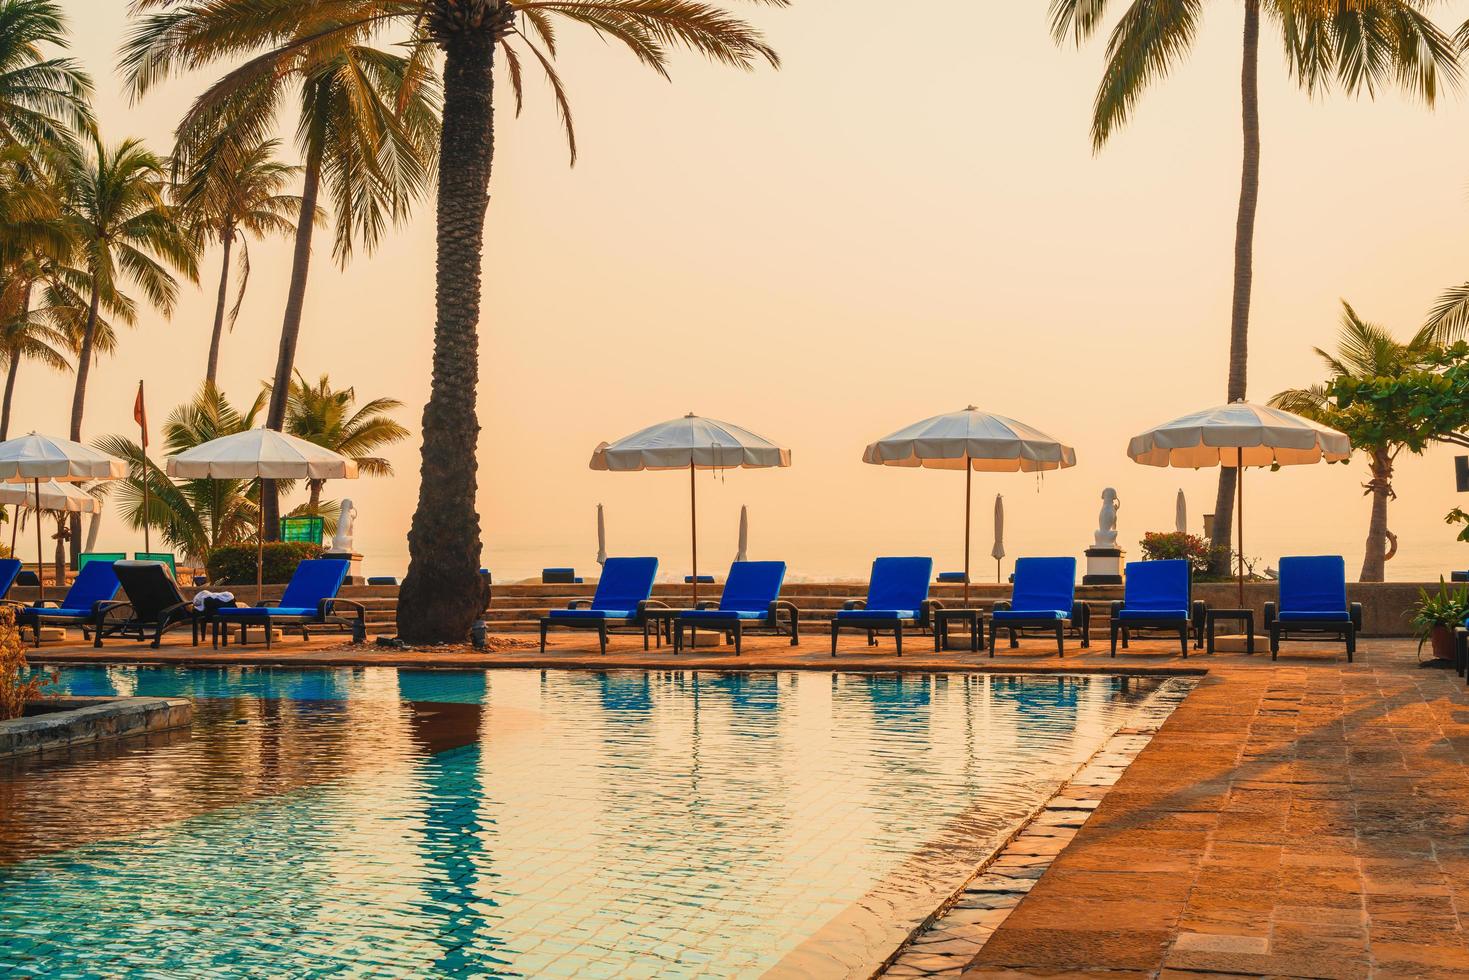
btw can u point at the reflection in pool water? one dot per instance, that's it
(518, 822)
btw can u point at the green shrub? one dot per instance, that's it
(1160, 545)
(235, 564)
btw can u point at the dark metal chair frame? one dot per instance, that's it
(878, 625)
(1081, 615)
(734, 628)
(1194, 624)
(1347, 628)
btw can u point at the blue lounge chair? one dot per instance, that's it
(9, 572)
(90, 592)
(310, 600)
(1313, 600)
(1044, 597)
(897, 597)
(1158, 595)
(622, 597)
(751, 600)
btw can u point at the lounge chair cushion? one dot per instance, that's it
(1126, 614)
(1160, 585)
(1043, 586)
(1331, 616)
(314, 580)
(1314, 584)
(752, 586)
(593, 614)
(723, 614)
(899, 584)
(48, 612)
(9, 569)
(625, 582)
(1000, 615)
(883, 614)
(260, 612)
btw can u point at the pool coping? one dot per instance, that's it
(92, 719)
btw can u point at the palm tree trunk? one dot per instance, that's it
(285, 359)
(1374, 561)
(314, 489)
(211, 371)
(443, 592)
(1244, 264)
(79, 398)
(13, 368)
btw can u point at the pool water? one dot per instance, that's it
(383, 822)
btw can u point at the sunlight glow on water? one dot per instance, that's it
(515, 823)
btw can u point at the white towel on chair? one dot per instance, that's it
(204, 595)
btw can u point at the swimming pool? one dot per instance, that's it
(384, 822)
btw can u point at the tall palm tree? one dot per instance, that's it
(1358, 45)
(43, 100)
(193, 516)
(367, 120)
(126, 234)
(1365, 350)
(227, 198)
(321, 414)
(443, 591)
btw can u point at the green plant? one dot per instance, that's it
(17, 684)
(1445, 608)
(1161, 545)
(1458, 516)
(235, 564)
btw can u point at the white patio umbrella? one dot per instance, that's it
(601, 538)
(998, 551)
(691, 443)
(33, 457)
(1237, 435)
(742, 553)
(1180, 513)
(971, 440)
(56, 498)
(260, 454)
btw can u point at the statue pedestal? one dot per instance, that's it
(1103, 566)
(354, 565)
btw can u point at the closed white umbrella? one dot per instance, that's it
(601, 538)
(691, 443)
(971, 440)
(260, 454)
(1237, 435)
(1180, 513)
(742, 553)
(34, 457)
(998, 551)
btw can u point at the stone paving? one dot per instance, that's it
(1303, 817)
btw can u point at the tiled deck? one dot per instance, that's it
(1305, 817)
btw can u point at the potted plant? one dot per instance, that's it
(1436, 616)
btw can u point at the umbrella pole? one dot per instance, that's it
(968, 482)
(40, 551)
(259, 540)
(1239, 493)
(694, 526)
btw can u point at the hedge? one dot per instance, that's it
(235, 564)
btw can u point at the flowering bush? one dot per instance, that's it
(15, 691)
(1158, 545)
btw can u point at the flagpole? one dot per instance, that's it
(141, 415)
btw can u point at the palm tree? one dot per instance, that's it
(43, 101)
(126, 233)
(1356, 44)
(193, 516)
(226, 202)
(1365, 351)
(320, 414)
(367, 120)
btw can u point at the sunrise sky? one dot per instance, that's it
(907, 218)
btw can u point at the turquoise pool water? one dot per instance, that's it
(381, 822)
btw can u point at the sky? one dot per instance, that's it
(907, 218)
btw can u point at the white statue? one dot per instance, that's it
(342, 540)
(1106, 536)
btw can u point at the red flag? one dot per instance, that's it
(140, 415)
